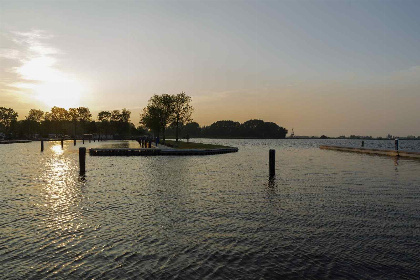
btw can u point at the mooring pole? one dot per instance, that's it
(272, 163)
(42, 145)
(82, 160)
(74, 141)
(62, 143)
(83, 140)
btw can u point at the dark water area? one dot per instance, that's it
(326, 214)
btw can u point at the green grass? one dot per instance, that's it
(192, 145)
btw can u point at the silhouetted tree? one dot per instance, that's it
(32, 123)
(181, 111)
(35, 115)
(159, 110)
(150, 118)
(192, 129)
(8, 118)
(220, 129)
(79, 115)
(249, 129)
(105, 118)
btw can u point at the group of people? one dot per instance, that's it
(146, 141)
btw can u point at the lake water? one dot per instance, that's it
(326, 215)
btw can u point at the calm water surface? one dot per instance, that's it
(326, 215)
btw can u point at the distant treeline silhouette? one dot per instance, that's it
(73, 122)
(170, 115)
(115, 124)
(231, 129)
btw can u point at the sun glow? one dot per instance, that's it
(50, 86)
(64, 94)
(40, 76)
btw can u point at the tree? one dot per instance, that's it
(125, 116)
(192, 129)
(79, 115)
(124, 127)
(84, 114)
(158, 112)
(35, 115)
(150, 118)
(115, 116)
(181, 111)
(32, 122)
(105, 118)
(59, 114)
(8, 117)
(225, 128)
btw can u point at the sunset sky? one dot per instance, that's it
(320, 67)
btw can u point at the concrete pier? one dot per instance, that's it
(159, 152)
(393, 153)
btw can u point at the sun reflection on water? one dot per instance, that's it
(57, 150)
(61, 192)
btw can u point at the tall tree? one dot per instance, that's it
(125, 115)
(124, 127)
(59, 114)
(79, 115)
(159, 109)
(84, 114)
(192, 129)
(181, 111)
(33, 120)
(8, 117)
(35, 115)
(104, 116)
(150, 118)
(115, 116)
(74, 117)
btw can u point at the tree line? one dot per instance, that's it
(231, 129)
(165, 115)
(170, 115)
(72, 122)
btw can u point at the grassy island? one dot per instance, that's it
(192, 145)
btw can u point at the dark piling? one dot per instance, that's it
(272, 163)
(82, 160)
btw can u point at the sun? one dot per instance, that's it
(63, 94)
(49, 85)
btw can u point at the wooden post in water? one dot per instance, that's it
(62, 143)
(83, 140)
(82, 160)
(272, 163)
(42, 145)
(74, 141)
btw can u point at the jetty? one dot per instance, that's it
(159, 152)
(393, 153)
(14, 141)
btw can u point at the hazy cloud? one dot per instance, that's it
(32, 70)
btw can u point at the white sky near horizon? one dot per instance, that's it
(319, 67)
